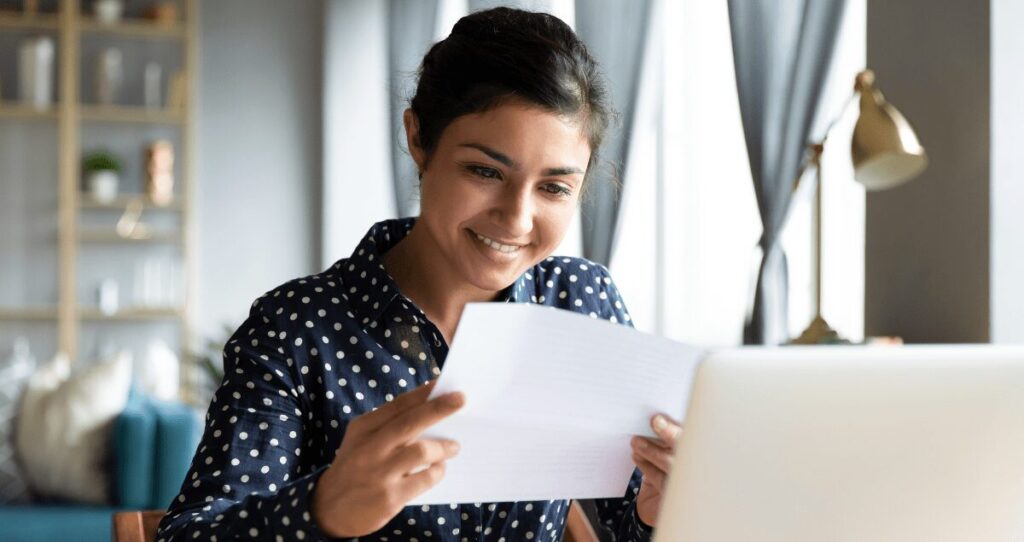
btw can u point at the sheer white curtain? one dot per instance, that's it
(357, 150)
(688, 227)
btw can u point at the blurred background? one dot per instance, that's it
(164, 163)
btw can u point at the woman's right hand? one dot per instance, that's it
(382, 463)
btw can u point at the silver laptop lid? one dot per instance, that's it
(851, 443)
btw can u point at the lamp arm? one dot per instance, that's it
(815, 156)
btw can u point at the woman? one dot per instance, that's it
(315, 432)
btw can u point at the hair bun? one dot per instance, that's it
(495, 54)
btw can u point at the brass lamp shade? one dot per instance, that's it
(885, 149)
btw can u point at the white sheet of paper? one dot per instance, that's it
(552, 400)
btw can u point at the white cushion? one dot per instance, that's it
(157, 373)
(14, 376)
(63, 435)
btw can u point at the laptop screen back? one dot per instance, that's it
(851, 443)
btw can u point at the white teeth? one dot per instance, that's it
(497, 246)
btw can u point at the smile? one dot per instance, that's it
(505, 249)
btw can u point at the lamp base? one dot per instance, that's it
(819, 332)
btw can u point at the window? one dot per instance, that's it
(689, 207)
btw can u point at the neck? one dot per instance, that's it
(439, 293)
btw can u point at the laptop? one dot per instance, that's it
(851, 443)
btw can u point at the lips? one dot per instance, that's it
(495, 245)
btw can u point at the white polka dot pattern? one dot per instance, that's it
(318, 351)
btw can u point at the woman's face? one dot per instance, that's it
(500, 190)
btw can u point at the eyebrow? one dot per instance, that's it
(504, 159)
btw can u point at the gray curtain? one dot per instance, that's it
(615, 33)
(411, 25)
(782, 52)
(546, 6)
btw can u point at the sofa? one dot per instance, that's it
(152, 443)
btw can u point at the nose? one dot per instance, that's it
(514, 212)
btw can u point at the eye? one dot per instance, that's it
(557, 190)
(485, 172)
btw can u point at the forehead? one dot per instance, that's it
(531, 135)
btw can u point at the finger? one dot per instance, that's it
(420, 453)
(653, 476)
(413, 485)
(410, 399)
(658, 455)
(666, 428)
(657, 443)
(410, 424)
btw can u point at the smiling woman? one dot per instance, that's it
(315, 432)
(498, 193)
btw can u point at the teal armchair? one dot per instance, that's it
(152, 443)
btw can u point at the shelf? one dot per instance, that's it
(133, 314)
(113, 237)
(29, 313)
(70, 124)
(128, 314)
(142, 28)
(38, 21)
(124, 113)
(122, 202)
(18, 110)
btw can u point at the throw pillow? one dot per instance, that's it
(63, 434)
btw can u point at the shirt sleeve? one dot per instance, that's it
(247, 480)
(617, 517)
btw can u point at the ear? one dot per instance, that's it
(412, 138)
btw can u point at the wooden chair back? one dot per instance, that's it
(140, 526)
(136, 526)
(577, 526)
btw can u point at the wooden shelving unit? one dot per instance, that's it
(122, 202)
(31, 21)
(108, 237)
(70, 26)
(134, 314)
(133, 28)
(29, 314)
(14, 110)
(143, 115)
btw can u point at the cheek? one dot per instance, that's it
(440, 194)
(554, 223)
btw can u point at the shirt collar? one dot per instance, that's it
(368, 287)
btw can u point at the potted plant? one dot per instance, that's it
(102, 170)
(208, 358)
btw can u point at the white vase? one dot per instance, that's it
(108, 11)
(35, 71)
(103, 185)
(109, 75)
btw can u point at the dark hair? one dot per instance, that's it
(498, 54)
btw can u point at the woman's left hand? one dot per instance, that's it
(654, 458)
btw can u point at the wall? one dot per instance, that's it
(927, 242)
(1007, 191)
(259, 152)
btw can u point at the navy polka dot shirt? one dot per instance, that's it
(319, 351)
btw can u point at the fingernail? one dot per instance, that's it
(659, 422)
(453, 447)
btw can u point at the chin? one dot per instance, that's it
(492, 281)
